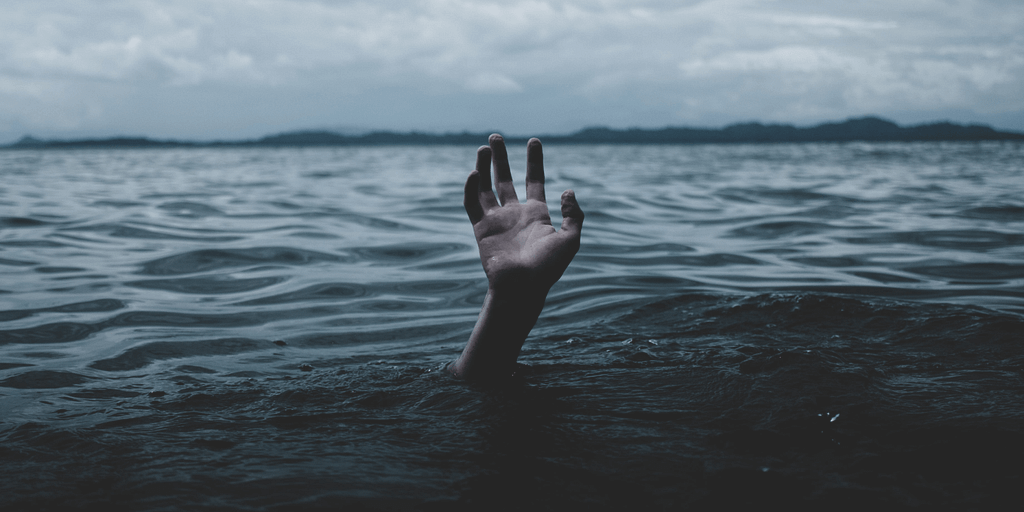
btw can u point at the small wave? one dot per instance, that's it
(204, 260)
(16, 263)
(132, 232)
(172, 319)
(141, 356)
(21, 222)
(42, 244)
(1006, 213)
(43, 379)
(58, 332)
(59, 270)
(673, 261)
(212, 285)
(884, 277)
(986, 272)
(118, 204)
(8, 366)
(780, 229)
(407, 252)
(434, 288)
(665, 247)
(832, 262)
(966, 240)
(92, 306)
(191, 210)
(103, 394)
(66, 332)
(319, 292)
(784, 197)
(831, 212)
(804, 317)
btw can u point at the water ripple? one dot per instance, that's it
(210, 285)
(140, 356)
(205, 260)
(790, 317)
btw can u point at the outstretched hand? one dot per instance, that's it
(520, 250)
(522, 255)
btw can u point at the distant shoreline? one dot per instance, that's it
(865, 129)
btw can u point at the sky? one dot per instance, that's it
(231, 69)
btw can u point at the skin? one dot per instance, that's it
(522, 255)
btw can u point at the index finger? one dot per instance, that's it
(502, 174)
(483, 168)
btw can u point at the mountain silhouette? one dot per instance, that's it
(871, 129)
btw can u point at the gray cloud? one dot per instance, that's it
(243, 68)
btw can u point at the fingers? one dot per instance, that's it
(472, 198)
(483, 169)
(502, 174)
(572, 215)
(534, 170)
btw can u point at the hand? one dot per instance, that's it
(521, 252)
(522, 255)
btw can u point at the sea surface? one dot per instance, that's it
(817, 326)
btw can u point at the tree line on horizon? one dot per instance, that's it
(869, 129)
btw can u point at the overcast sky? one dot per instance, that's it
(245, 68)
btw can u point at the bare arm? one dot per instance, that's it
(522, 255)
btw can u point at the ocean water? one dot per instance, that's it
(808, 325)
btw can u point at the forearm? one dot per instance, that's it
(503, 325)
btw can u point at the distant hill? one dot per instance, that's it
(871, 129)
(861, 129)
(29, 142)
(379, 138)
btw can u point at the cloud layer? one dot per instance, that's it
(230, 68)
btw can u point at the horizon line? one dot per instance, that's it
(28, 140)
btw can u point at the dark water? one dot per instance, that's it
(818, 325)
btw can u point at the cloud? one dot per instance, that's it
(166, 68)
(493, 82)
(783, 59)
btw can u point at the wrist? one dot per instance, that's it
(518, 287)
(521, 297)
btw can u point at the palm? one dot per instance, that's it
(519, 248)
(518, 242)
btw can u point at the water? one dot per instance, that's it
(805, 325)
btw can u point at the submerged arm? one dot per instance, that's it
(522, 255)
